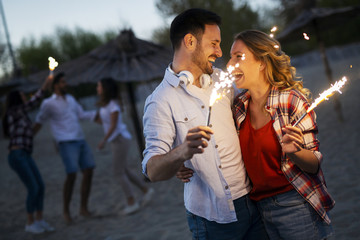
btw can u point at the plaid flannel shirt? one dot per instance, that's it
(285, 107)
(20, 125)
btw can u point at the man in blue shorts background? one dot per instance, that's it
(64, 112)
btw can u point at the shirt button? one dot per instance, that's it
(305, 194)
(219, 166)
(182, 82)
(216, 146)
(290, 179)
(226, 187)
(185, 119)
(210, 125)
(202, 106)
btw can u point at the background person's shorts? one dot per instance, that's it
(76, 154)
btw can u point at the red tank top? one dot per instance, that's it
(261, 152)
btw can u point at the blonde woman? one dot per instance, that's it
(118, 136)
(283, 162)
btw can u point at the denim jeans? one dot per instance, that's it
(288, 216)
(25, 167)
(248, 227)
(75, 154)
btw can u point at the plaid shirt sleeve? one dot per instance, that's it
(297, 106)
(34, 100)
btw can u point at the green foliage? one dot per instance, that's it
(236, 16)
(33, 56)
(65, 45)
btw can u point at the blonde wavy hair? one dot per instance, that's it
(279, 71)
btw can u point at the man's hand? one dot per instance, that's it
(165, 166)
(195, 141)
(184, 174)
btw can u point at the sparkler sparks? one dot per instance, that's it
(306, 37)
(274, 29)
(221, 88)
(52, 64)
(324, 96)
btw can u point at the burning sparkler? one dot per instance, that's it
(52, 65)
(324, 96)
(224, 84)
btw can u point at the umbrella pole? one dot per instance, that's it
(135, 117)
(337, 104)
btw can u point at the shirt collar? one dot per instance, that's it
(272, 100)
(55, 96)
(172, 78)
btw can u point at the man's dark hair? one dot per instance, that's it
(191, 21)
(57, 78)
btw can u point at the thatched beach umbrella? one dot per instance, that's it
(313, 21)
(126, 59)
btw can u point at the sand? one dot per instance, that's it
(164, 218)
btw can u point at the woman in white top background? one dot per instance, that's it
(116, 133)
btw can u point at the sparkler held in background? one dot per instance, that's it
(324, 96)
(52, 65)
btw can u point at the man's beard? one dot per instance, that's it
(199, 59)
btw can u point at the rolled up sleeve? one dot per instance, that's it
(159, 129)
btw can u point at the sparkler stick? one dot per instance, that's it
(208, 117)
(324, 96)
(52, 65)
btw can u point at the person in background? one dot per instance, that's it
(64, 114)
(116, 133)
(216, 196)
(282, 161)
(17, 126)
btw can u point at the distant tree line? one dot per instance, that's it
(65, 45)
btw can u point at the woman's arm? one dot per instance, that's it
(113, 122)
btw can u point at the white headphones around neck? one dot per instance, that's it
(188, 78)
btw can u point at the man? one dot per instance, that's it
(64, 113)
(175, 114)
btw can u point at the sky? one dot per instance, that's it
(39, 18)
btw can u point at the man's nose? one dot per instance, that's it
(218, 52)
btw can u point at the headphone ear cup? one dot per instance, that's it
(186, 76)
(205, 81)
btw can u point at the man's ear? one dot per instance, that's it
(190, 41)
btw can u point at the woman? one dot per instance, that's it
(118, 136)
(17, 126)
(283, 162)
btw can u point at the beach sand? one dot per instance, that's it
(165, 218)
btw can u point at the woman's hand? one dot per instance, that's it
(292, 144)
(101, 145)
(184, 174)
